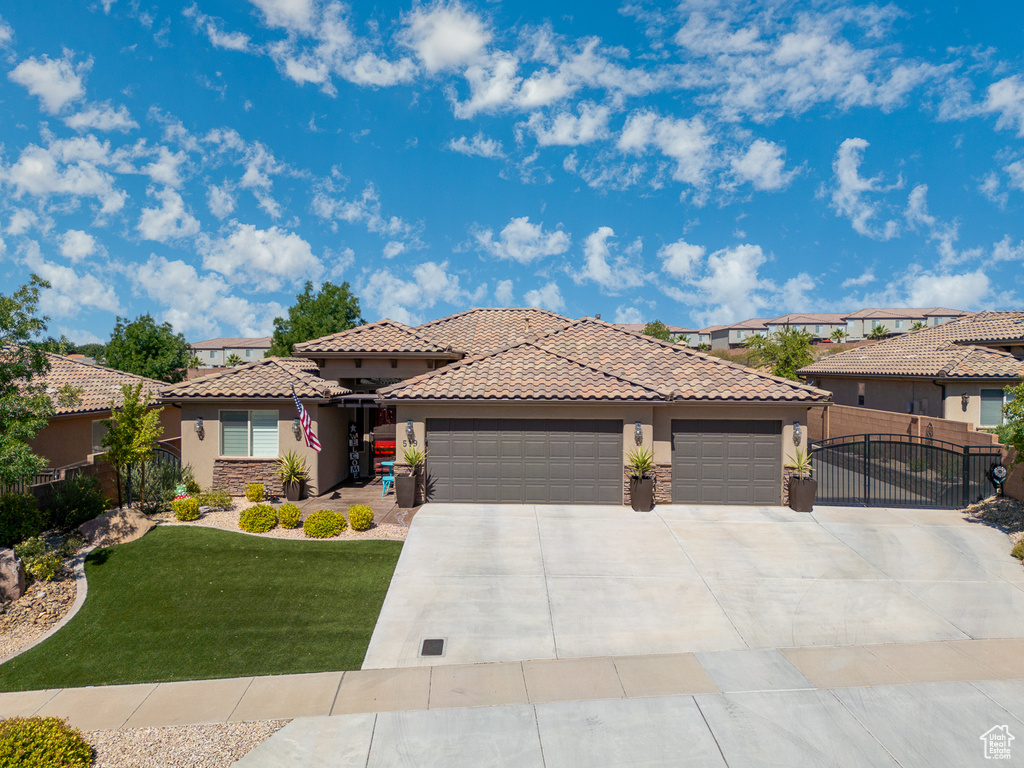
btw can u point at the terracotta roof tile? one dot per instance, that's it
(903, 312)
(480, 331)
(809, 318)
(381, 336)
(271, 377)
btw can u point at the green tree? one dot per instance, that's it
(335, 308)
(61, 346)
(25, 407)
(147, 349)
(195, 362)
(97, 352)
(878, 332)
(918, 326)
(659, 330)
(784, 352)
(132, 432)
(838, 335)
(233, 360)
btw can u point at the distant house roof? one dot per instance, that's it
(382, 336)
(809, 318)
(270, 378)
(956, 349)
(482, 330)
(590, 360)
(229, 343)
(676, 330)
(902, 313)
(753, 324)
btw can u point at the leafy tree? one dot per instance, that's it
(335, 308)
(838, 335)
(784, 352)
(659, 330)
(24, 406)
(132, 432)
(233, 360)
(142, 347)
(918, 326)
(61, 346)
(97, 352)
(878, 332)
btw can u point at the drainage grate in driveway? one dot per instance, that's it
(433, 646)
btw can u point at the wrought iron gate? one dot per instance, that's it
(901, 471)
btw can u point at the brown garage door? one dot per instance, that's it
(529, 461)
(726, 462)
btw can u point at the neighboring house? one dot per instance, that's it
(75, 433)
(675, 330)
(213, 353)
(732, 336)
(956, 370)
(512, 405)
(819, 325)
(859, 324)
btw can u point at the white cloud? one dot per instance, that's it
(628, 315)
(445, 35)
(370, 69)
(492, 84)
(6, 34)
(403, 300)
(686, 141)
(102, 117)
(868, 276)
(1005, 250)
(968, 289)
(265, 259)
(479, 146)
(220, 200)
(849, 195)
(56, 82)
(66, 168)
(503, 295)
(990, 187)
(77, 245)
(232, 41)
(548, 296)
(22, 220)
(732, 286)
(365, 209)
(1015, 171)
(171, 221)
(680, 259)
(793, 292)
(70, 292)
(568, 130)
(166, 169)
(613, 273)
(1006, 97)
(293, 15)
(945, 234)
(522, 241)
(393, 248)
(763, 165)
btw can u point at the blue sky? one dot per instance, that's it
(700, 162)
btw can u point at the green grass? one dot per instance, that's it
(196, 603)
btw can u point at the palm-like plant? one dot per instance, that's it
(878, 332)
(918, 326)
(838, 335)
(233, 360)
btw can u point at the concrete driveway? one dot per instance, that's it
(501, 583)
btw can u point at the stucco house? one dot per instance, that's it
(820, 325)
(214, 353)
(513, 405)
(955, 370)
(732, 336)
(861, 323)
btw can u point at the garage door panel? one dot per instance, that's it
(721, 461)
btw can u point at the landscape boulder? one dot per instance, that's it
(12, 576)
(117, 526)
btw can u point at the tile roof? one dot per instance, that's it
(381, 336)
(593, 360)
(228, 343)
(480, 331)
(809, 318)
(271, 377)
(951, 350)
(903, 313)
(639, 328)
(753, 324)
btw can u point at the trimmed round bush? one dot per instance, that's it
(1018, 550)
(41, 563)
(258, 518)
(324, 523)
(361, 517)
(215, 498)
(254, 492)
(42, 742)
(289, 515)
(186, 509)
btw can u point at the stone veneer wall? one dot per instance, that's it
(232, 475)
(662, 485)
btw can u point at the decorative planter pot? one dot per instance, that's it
(641, 493)
(405, 491)
(802, 491)
(295, 491)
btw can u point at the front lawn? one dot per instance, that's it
(193, 603)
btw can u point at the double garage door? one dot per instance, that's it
(726, 462)
(527, 461)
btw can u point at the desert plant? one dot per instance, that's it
(291, 468)
(186, 508)
(233, 360)
(41, 562)
(640, 461)
(215, 497)
(414, 457)
(42, 742)
(76, 499)
(188, 477)
(838, 335)
(159, 479)
(254, 492)
(361, 517)
(289, 515)
(258, 518)
(1018, 550)
(878, 332)
(20, 518)
(801, 463)
(70, 546)
(324, 524)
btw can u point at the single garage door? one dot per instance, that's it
(529, 461)
(726, 462)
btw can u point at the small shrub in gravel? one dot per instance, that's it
(76, 499)
(186, 509)
(254, 492)
(42, 742)
(361, 517)
(289, 515)
(41, 562)
(323, 524)
(1018, 550)
(71, 545)
(215, 497)
(20, 518)
(258, 518)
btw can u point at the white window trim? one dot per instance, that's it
(249, 412)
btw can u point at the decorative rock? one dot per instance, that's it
(116, 527)
(12, 576)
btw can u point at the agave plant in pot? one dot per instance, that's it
(291, 470)
(640, 466)
(802, 487)
(407, 486)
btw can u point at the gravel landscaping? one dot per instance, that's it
(187, 746)
(1000, 512)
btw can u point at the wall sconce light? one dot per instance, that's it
(638, 432)
(409, 432)
(199, 427)
(797, 433)
(297, 429)
(965, 400)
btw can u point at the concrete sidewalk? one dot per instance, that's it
(523, 683)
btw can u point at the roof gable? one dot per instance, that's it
(99, 385)
(382, 336)
(271, 378)
(482, 330)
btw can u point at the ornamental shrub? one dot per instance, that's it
(1018, 550)
(215, 497)
(258, 518)
(42, 742)
(20, 518)
(324, 524)
(78, 498)
(361, 517)
(186, 509)
(254, 492)
(289, 515)
(41, 563)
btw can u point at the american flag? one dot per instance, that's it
(307, 424)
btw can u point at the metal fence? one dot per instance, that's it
(40, 478)
(161, 461)
(901, 471)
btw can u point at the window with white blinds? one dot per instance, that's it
(248, 433)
